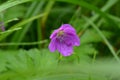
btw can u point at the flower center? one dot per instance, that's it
(60, 33)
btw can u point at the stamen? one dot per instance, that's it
(60, 33)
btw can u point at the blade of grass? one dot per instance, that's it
(11, 4)
(20, 24)
(104, 38)
(8, 31)
(91, 7)
(107, 6)
(117, 19)
(44, 18)
(39, 34)
(23, 43)
(34, 9)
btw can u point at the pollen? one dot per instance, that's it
(60, 33)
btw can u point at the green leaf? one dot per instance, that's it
(11, 4)
(19, 24)
(18, 11)
(91, 35)
(43, 65)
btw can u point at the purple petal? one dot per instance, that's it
(2, 28)
(54, 34)
(67, 28)
(72, 39)
(64, 42)
(52, 45)
(76, 40)
(64, 49)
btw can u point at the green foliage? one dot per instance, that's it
(28, 25)
(93, 36)
(18, 10)
(43, 65)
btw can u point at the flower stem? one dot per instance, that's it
(59, 58)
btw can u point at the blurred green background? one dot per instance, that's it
(24, 53)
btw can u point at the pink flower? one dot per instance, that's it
(63, 40)
(2, 26)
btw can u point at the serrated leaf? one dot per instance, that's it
(92, 36)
